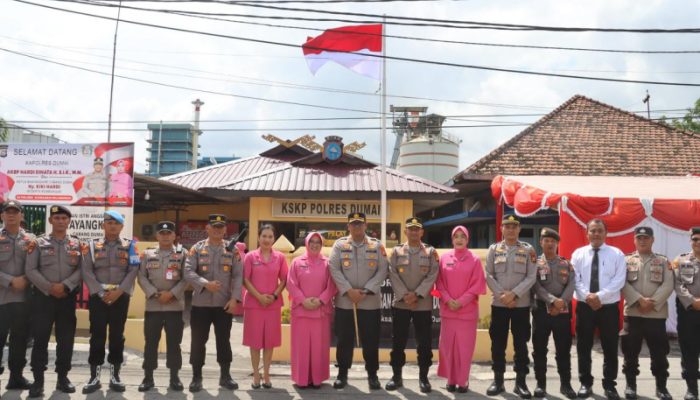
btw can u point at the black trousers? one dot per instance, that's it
(422, 327)
(368, 322)
(49, 313)
(101, 316)
(13, 324)
(688, 328)
(154, 323)
(558, 326)
(606, 319)
(201, 320)
(653, 330)
(517, 320)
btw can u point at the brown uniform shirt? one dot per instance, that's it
(358, 266)
(207, 263)
(687, 282)
(107, 266)
(511, 268)
(163, 270)
(56, 261)
(13, 255)
(413, 270)
(555, 280)
(647, 276)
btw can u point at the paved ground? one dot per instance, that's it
(283, 388)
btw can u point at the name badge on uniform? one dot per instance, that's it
(520, 258)
(153, 265)
(345, 255)
(372, 256)
(303, 266)
(500, 259)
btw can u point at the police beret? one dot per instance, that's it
(510, 219)
(12, 204)
(99, 160)
(352, 217)
(643, 231)
(550, 233)
(217, 219)
(54, 210)
(694, 230)
(112, 215)
(166, 226)
(414, 221)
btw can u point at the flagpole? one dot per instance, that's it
(382, 146)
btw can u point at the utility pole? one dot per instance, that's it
(647, 100)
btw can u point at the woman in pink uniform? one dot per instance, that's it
(311, 289)
(461, 281)
(264, 277)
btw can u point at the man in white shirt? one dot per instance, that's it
(600, 275)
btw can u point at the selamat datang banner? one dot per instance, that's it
(87, 177)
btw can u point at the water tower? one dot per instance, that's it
(422, 147)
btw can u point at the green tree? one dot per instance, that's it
(689, 122)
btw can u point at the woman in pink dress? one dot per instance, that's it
(264, 277)
(460, 282)
(311, 289)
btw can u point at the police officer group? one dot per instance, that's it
(45, 273)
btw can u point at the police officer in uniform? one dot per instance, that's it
(554, 289)
(510, 274)
(646, 291)
(687, 285)
(95, 183)
(216, 276)
(161, 278)
(15, 246)
(54, 270)
(358, 266)
(109, 271)
(413, 269)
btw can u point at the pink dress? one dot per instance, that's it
(262, 326)
(121, 185)
(311, 329)
(461, 278)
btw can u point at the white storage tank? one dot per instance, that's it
(422, 147)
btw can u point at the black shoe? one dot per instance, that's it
(94, 383)
(255, 386)
(227, 382)
(115, 382)
(373, 382)
(424, 385)
(495, 388)
(584, 392)
(611, 394)
(315, 386)
(340, 382)
(196, 384)
(663, 394)
(267, 385)
(36, 389)
(631, 392)
(690, 395)
(462, 389)
(567, 391)
(176, 383)
(146, 385)
(451, 388)
(394, 383)
(64, 384)
(521, 389)
(18, 383)
(540, 392)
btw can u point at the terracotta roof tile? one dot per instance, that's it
(586, 137)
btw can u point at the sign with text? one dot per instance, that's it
(86, 174)
(304, 208)
(86, 222)
(192, 232)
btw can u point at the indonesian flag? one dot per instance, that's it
(347, 46)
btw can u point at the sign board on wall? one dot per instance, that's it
(303, 208)
(88, 178)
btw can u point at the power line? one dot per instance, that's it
(420, 61)
(210, 16)
(463, 23)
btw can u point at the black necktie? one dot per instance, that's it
(595, 285)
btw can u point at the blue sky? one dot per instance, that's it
(32, 90)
